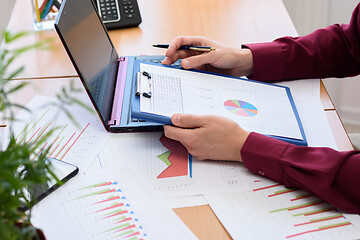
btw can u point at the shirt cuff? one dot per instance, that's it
(268, 61)
(262, 154)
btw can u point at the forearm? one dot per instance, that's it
(329, 174)
(329, 52)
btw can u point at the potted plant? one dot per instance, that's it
(20, 171)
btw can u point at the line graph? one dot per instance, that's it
(328, 218)
(65, 140)
(108, 209)
(274, 212)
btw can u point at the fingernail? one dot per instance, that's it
(185, 63)
(176, 119)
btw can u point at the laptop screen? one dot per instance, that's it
(90, 50)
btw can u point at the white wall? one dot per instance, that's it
(6, 7)
(309, 15)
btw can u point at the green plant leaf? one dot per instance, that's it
(18, 87)
(16, 72)
(9, 37)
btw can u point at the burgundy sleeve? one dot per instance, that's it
(330, 52)
(333, 176)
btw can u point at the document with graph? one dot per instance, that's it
(70, 142)
(261, 107)
(271, 211)
(167, 166)
(111, 205)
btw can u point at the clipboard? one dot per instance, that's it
(141, 88)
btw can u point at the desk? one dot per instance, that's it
(201, 219)
(232, 22)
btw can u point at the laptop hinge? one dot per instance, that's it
(112, 123)
(119, 92)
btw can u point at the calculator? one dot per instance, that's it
(118, 13)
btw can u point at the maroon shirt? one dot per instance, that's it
(331, 52)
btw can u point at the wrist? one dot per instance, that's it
(245, 61)
(241, 137)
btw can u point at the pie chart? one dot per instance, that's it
(241, 108)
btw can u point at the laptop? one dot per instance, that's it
(106, 76)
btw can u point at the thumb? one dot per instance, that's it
(197, 60)
(187, 120)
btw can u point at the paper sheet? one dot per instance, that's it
(188, 201)
(263, 108)
(111, 205)
(316, 126)
(70, 143)
(306, 95)
(303, 88)
(143, 151)
(270, 211)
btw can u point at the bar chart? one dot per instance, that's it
(74, 142)
(311, 216)
(111, 205)
(271, 211)
(107, 204)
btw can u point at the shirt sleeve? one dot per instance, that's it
(330, 52)
(331, 175)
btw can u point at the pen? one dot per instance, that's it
(37, 11)
(187, 47)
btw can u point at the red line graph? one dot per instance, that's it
(117, 214)
(322, 220)
(65, 145)
(40, 151)
(277, 194)
(126, 228)
(54, 150)
(124, 220)
(41, 134)
(33, 135)
(303, 197)
(31, 127)
(108, 208)
(267, 187)
(320, 211)
(317, 230)
(112, 190)
(74, 141)
(105, 184)
(109, 199)
(305, 206)
(134, 234)
(52, 144)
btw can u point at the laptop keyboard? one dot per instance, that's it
(176, 64)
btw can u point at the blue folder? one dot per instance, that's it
(136, 113)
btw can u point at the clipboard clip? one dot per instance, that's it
(139, 86)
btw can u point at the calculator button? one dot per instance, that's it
(109, 10)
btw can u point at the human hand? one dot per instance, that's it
(225, 60)
(208, 137)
